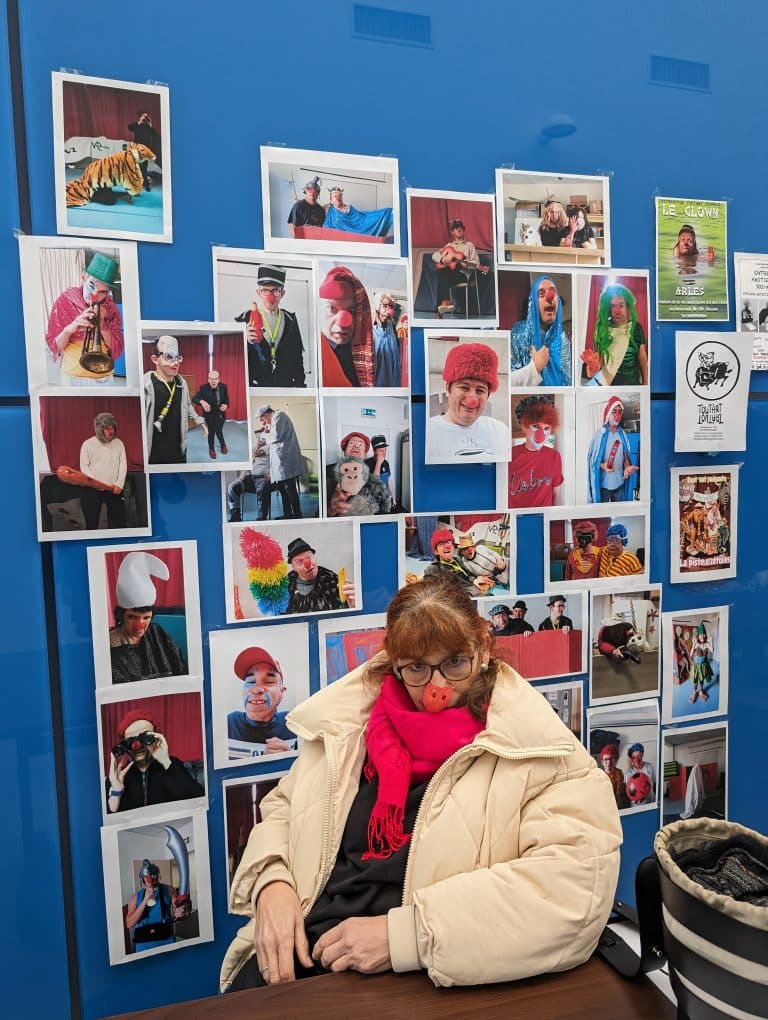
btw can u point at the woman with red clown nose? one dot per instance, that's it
(471, 375)
(437, 802)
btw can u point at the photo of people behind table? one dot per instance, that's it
(612, 448)
(274, 298)
(283, 480)
(553, 219)
(291, 568)
(584, 546)
(195, 395)
(468, 397)
(328, 202)
(538, 309)
(89, 467)
(363, 316)
(452, 258)
(541, 636)
(541, 471)
(366, 455)
(152, 749)
(145, 612)
(258, 675)
(157, 885)
(112, 158)
(624, 741)
(81, 307)
(695, 772)
(613, 328)
(625, 645)
(475, 549)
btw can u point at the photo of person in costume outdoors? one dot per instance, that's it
(254, 688)
(610, 438)
(614, 311)
(535, 476)
(550, 824)
(625, 639)
(541, 343)
(362, 312)
(326, 202)
(580, 548)
(468, 400)
(696, 652)
(473, 548)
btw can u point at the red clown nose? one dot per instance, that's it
(343, 319)
(435, 698)
(471, 402)
(538, 435)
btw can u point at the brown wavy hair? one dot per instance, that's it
(436, 612)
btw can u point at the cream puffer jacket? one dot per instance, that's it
(514, 856)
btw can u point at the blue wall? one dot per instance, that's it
(245, 74)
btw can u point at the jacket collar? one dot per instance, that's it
(520, 720)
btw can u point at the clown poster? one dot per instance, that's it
(751, 285)
(703, 530)
(691, 260)
(712, 391)
(695, 660)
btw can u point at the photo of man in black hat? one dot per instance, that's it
(312, 588)
(556, 619)
(275, 346)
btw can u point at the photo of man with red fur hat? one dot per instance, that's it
(263, 690)
(346, 331)
(464, 429)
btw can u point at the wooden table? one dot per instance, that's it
(582, 994)
(553, 256)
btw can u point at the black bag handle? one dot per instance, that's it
(648, 919)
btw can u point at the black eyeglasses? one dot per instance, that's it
(454, 669)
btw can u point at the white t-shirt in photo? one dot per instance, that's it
(485, 439)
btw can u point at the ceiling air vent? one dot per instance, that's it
(384, 25)
(680, 74)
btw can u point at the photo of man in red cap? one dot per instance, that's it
(464, 429)
(346, 330)
(263, 690)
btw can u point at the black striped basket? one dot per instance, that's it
(717, 946)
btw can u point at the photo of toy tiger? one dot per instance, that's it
(123, 169)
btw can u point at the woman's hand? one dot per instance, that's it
(359, 943)
(279, 931)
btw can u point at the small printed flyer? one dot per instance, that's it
(751, 275)
(691, 260)
(712, 391)
(703, 532)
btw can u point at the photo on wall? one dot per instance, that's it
(612, 445)
(541, 472)
(363, 315)
(467, 397)
(152, 750)
(284, 479)
(624, 741)
(452, 252)
(612, 335)
(580, 545)
(194, 392)
(477, 550)
(330, 203)
(242, 810)
(157, 885)
(538, 308)
(553, 219)
(291, 568)
(567, 701)
(257, 676)
(712, 377)
(274, 297)
(145, 612)
(81, 311)
(345, 645)
(541, 636)
(694, 781)
(91, 480)
(366, 455)
(703, 530)
(751, 286)
(696, 675)
(625, 644)
(112, 158)
(691, 260)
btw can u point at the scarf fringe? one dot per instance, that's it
(385, 832)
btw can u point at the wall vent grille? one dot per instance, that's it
(392, 26)
(680, 74)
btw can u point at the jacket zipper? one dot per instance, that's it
(325, 855)
(429, 793)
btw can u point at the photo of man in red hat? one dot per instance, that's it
(464, 429)
(260, 722)
(346, 330)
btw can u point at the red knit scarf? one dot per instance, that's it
(404, 746)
